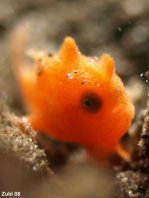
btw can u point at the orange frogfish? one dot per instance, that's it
(77, 99)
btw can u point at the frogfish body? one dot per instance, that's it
(78, 99)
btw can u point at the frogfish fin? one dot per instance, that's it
(122, 152)
(107, 66)
(69, 52)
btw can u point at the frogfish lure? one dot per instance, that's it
(76, 98)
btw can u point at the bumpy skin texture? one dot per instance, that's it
(77, 99)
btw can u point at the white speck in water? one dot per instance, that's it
(70, 75)
(141, 75)
(146, 81)
(130, 193)
(34, 168)
(119, 29)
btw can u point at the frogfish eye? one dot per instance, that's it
(91, 102)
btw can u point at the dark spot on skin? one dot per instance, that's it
(83, 82)
(91, 102)
(75, 71)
